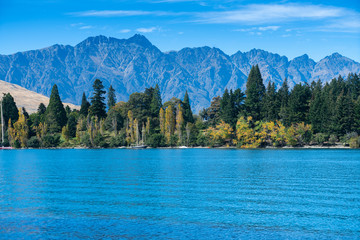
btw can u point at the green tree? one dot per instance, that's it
(255, 91)
(271, 104)
(318, 111)
(85, 105)
(227, 113)
(298, 104)
(188, 115)
(10, 110)
(41, 109)
(98, 106)
(55, 115)
(283, 98)
(156, 102)
(71, 124)
(343, 119)
(111, 97)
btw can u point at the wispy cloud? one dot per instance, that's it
(125, 13)
(85, 27)
(266, 28)
(260, 13)
(147, 30)
(124, 31)
(271, 28)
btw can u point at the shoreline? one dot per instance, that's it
(336, 146)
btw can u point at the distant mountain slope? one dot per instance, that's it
(133, 64)
(25, 98)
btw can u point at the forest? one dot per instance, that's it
(321, 114)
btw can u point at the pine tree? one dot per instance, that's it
(298, 104)
(227, 107)
(84, 109)
(255, 91)
(156, 102)
(98, 106)
(188, 115)
(111, 97)
(343, 119)
(41, 109)
(318, 111)
(271, 105)
(55, 115)
(71, 125)
(283, 98)
(10, 109)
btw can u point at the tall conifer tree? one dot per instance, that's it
(255, 91)
(84, 109)
(98, 106)
(55, 115)
(10, 109)
(188, 115)
(111, 97)
(156, 102)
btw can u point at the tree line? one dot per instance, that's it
(322, 114)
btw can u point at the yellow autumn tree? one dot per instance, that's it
(130, 138)
(298, 134)
(21, 129)
(245, 135)
(136, 131)
(162, 120)
(179, 122)
(11, 133)
(169, 123)
(65, 133)
(220, 135)
(272, 133)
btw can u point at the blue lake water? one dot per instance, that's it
(179, 194)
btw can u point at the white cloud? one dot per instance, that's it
(86, 27)
(147, 30)
(124, 31)
(260, 13)
(125, 13)
(272, 28)
(267, 28)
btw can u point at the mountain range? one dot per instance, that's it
(131, 65)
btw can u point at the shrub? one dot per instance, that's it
(33, 142)
(156, 140)
(354, 142)
(333, 139)
(85, 140)
(117, 141)
(319, 138)
(51, 140)
(99, 141)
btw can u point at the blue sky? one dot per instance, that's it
(317, 28)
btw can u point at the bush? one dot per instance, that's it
(333, 139)
(51, 140)
(33, 142)
(99, 141)
(354, 142)
(319, 138)
(156, 140)
(117, 141)
(202, 140)
(85, 140)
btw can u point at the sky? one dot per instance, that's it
(290, 28)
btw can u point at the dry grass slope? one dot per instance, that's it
(26, 98)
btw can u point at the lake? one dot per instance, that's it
(180, 194)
